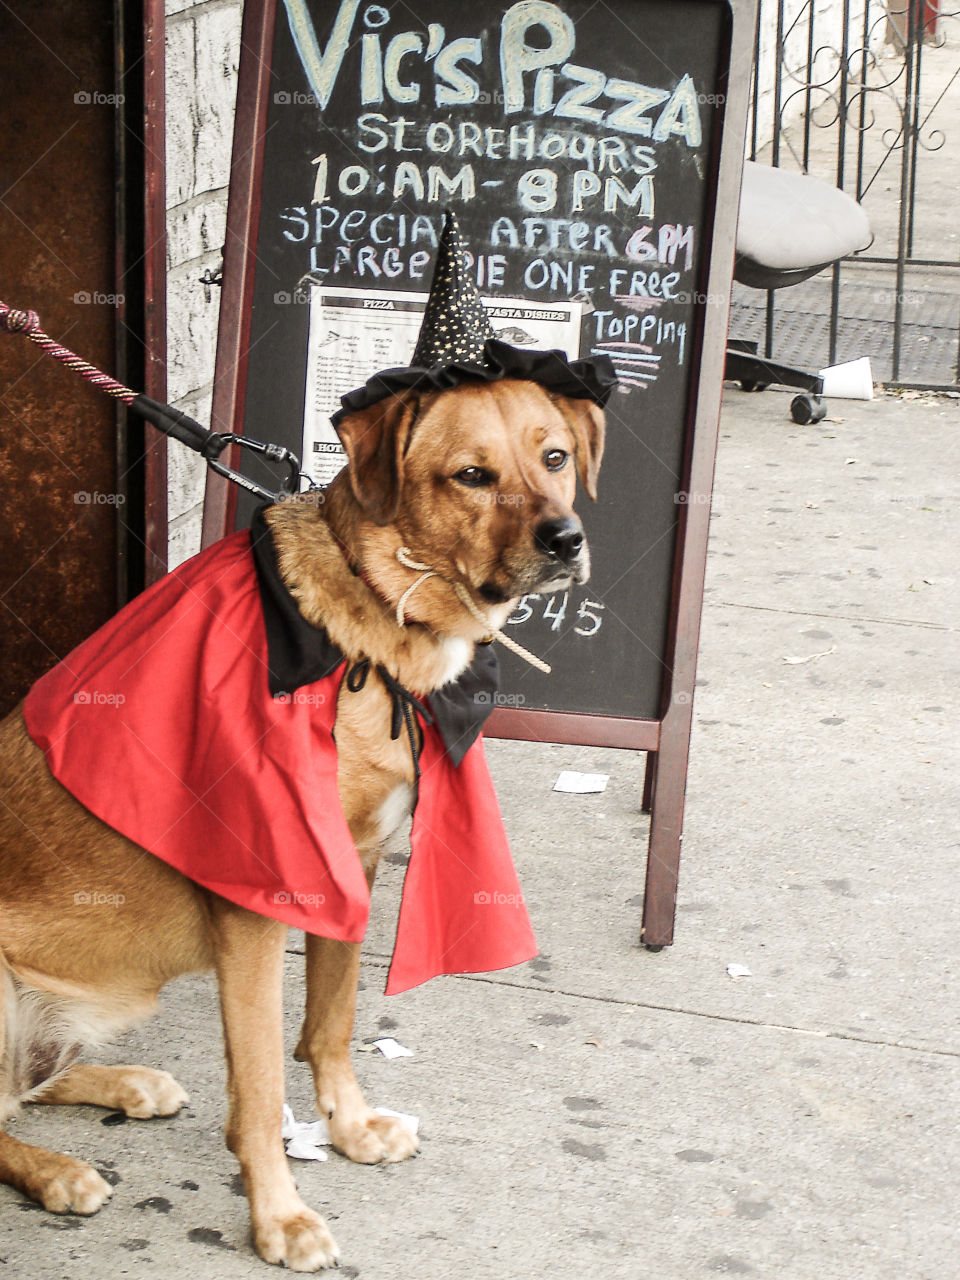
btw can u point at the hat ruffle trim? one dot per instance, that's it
(579, 379)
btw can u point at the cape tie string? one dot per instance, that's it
(404, 706)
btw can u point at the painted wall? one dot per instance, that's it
(203, 50)
(827, 44)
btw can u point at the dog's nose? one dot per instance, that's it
(561, 538)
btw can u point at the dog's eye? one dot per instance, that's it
(474, 477)
(555, 459)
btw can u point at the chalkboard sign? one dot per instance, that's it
(592, 155)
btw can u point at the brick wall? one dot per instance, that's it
(203, 49)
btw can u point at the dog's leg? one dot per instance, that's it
(355, 1129)
(249, 953)
(140, 1092)
(60, 1183)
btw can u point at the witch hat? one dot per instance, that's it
(457, 345)
(455, 326)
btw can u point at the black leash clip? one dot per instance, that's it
(211, 444)
(217, 441)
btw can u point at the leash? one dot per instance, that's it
(171, 422)
(211, 444)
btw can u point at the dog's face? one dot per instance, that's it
(480, 481)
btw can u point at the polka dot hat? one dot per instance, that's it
(457, 345)
(455, 325)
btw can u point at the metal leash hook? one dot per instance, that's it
(218, 441)
(170, 421)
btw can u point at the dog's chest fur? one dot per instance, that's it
(374, 773)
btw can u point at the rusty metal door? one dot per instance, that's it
(69, 478)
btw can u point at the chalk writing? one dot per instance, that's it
(578, 145)
(535, 77)
(564, 153)
(585, 621)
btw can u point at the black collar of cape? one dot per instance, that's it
(299, 653)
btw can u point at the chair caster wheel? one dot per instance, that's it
(808, 408)
(752, 384)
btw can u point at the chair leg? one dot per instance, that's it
(742, 366)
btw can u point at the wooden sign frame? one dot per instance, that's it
(666, 738)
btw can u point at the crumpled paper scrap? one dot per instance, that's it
(391, 1048)
(306, 1140)
(581, 783)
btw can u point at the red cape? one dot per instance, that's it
(163, 726)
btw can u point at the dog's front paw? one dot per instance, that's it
(64, 1185)
(299, 1240)
(374, 1139)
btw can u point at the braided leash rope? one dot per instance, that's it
(28, 323)
(170, 421)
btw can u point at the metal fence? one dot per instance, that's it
(863, 95)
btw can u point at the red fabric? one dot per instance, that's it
(161, 724)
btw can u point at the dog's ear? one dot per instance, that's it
(376, 440)
(588, 422)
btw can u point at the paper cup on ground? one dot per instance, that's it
(850, 381)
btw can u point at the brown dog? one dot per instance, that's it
(479, 482)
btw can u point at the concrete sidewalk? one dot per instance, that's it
(604, 1110)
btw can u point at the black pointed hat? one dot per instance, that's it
(457, 345)
(455, 325)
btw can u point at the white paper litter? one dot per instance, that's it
(301, 1147)
(581, 783)
(798, 662)
(391, 1048)
(306, 1140)
(412, 1122)
(739, 971)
